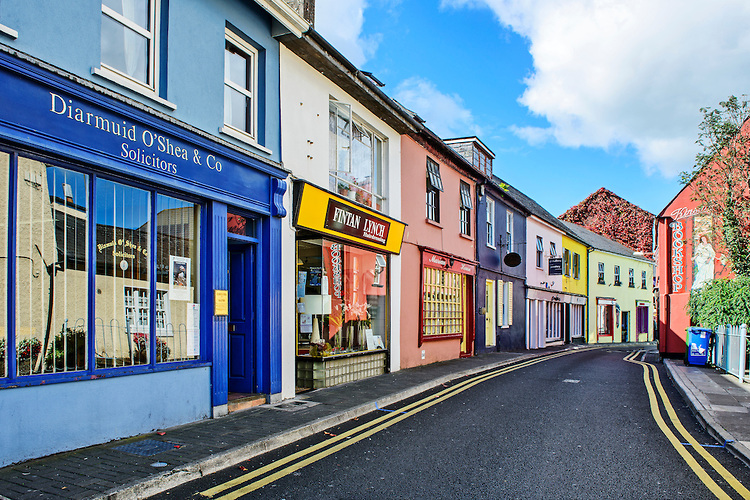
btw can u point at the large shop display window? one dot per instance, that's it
(443, 303)
(342, 294)
(137, 279)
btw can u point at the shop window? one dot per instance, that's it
(240, 88)
(566, 262)
(4, 168)
(51, 328)
(356, 154)
(443, 303)
(123, 254)
(617, 276)
(53, 298)
(600, 279)
(643, 280)
(434, 187)
(576, 266)
(128, 44)
(177, 306)
(509, 231)
(342, 295)
(539, 252)
(464, 214)
(490, 223)
(631, 278)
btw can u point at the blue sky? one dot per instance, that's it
(570, 95)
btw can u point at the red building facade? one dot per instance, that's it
(686, 259)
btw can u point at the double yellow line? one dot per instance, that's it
(328, 447)
(676, 443)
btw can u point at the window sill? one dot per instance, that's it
(9, 32)
(99, 373)
(491, 246)
(433, 223)
(426, 338)
(123, 81)
(243, 137)
(466, 236)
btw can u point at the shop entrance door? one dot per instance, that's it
(241, 317)
(625, 326)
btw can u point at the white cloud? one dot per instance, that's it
(609, 73)
(444, 114)
(340, 23)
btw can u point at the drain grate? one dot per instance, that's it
(146, 448)
(293, 405)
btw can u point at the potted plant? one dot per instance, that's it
(343, 189)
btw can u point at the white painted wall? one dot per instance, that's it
(535, 276)
(305, 95)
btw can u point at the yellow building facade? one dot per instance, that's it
(621, 298)
(619, 285)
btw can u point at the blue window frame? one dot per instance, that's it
(102, 275)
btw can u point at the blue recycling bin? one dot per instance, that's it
(697, 345)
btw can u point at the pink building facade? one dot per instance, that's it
(438, 191)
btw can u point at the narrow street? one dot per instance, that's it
(573, 425)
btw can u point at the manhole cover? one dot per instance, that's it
(293, 405)
(146, 448)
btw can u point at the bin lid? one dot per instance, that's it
(698, 329)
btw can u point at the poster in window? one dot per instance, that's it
(179, 278)
(315, 276)
(193, 330)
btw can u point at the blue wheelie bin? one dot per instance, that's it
(697, 345)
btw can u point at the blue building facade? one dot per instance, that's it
(501, 277)
(500, 242)
(140, 240)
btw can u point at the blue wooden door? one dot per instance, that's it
(241, 318)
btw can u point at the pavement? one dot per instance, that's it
(720, 402)
(148, 464)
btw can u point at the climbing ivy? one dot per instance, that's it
(721, 302)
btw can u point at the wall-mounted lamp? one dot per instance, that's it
(451, 260)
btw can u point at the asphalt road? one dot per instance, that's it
(576, 426)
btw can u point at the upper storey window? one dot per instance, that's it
(356, 154)
(129, 40)
(434, 187)
(240, 86)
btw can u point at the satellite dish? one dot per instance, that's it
(512, 259)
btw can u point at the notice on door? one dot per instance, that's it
(221, 302)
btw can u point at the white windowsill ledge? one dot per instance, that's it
(8, 32)
(243, 137)
(123, 81)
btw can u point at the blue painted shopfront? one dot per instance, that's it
(124, 217)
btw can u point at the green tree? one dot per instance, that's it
(719, 179)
